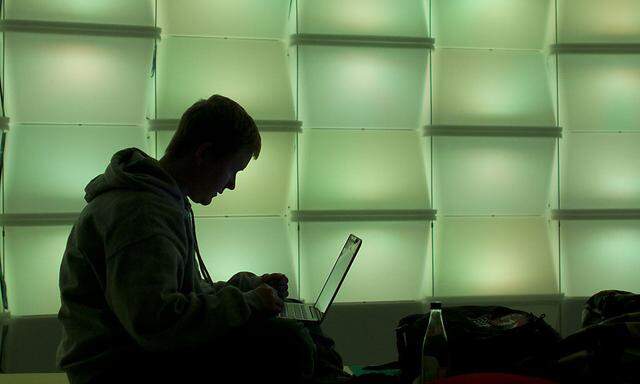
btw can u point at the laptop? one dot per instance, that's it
(316, 312)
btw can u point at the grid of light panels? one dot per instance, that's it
(509, 118)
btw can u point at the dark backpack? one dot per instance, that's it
(481, 339)
(607, 349)
(605, 305)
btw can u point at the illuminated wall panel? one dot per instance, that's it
(362, 87)
(61, 159)
(33, 257)
(590, 21)
(521, 24)
(494, 256)
(476, 176)
(74, 100)
(601, 170)
(76, 79)
(258, 245)
(364, 17)
(252, 72)
(130, 12)
(2, 61)
(237, 18)
(599, 255)
(600, 92)
(393, 262)
(263, 188)
(362, 170)
(474, 87)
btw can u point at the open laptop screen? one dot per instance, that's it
(337, 273)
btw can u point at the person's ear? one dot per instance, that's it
(201, 155)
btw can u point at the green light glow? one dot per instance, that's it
(51, 176)
(269, 177)
(591, 21)
(132, 12)
(600, 92)
(393, 263)
(492, 175)
(362, 170)
(363, 87)
(258, 245)
(33, 257)
(238, 18)
(252, 72)
(481, 87)
(104, 83)
(364, 17)
(490, 23)
(494, 256)
(68, 71)
(600, 255)
(601, 171)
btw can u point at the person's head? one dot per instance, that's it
(215, 140)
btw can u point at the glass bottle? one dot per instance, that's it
(435, 347)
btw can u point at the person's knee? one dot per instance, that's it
(291, 345)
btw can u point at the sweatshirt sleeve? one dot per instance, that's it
(142, 290)
(244, 281)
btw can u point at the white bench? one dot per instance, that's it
(33, 378)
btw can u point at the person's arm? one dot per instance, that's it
(142, 291)
(244, 281)
(247, 281)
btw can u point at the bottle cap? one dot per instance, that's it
(436, 305)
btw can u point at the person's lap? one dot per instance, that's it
(275, 350)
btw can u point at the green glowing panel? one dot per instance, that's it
(291, 27)
(2, 74)
(263, 187)
(595, 21)
(362, 170)
(600, 170)
(494, 256)
(83, 79)
(252, 72)
(600, 92)
(393, 262)
(599, 255)
(258, 245)
(521, 24)
(493, 175)
(33, 257)
(364, 17)
(131, 12)
(151, 144)
(239, 18)
(292, 61)
(51, 175)
(363, 87)
(500, 88)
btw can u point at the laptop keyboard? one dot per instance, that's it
(297, 311)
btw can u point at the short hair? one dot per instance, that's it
(220, 121)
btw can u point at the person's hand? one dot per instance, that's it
(271, 303)
(277, 281)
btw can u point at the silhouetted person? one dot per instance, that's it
(137, 300)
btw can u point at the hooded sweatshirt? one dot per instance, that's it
(129, 282)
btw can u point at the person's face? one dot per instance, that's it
(213, 176)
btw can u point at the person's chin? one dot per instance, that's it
(206, 201)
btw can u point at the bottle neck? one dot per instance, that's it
(436, 326)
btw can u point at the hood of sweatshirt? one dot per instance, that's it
(132, 169)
